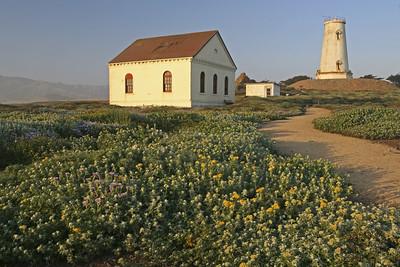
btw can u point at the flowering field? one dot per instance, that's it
(366, 122)
(176, 188)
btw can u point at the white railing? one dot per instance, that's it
(334, 19)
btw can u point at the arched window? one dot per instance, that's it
(128, 83)
(338, 64)
(226, 86)
(215, 84)
(338, 34)
(202, 82)
(167, 81)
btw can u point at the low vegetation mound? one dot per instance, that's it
(179, 189)
(345, 85)
(367, 122)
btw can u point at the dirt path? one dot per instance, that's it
(374, 169)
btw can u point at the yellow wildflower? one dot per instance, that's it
(248, 218)
(333, 226)
(342, 211)
(214, 162)
(228, 204)
(270, 210)
(139, 165)
(242, 201)
(235, 196)
(242, 264)
(271, 166)
(292, 190)
(260, 189)
(253, 257)
(189, 241)
(217, 176)
(358, 217)
(253, 199)
(275, 206)
(234, 157)
(322, 203)
(76, 230)
(338, 250)
(220, 223)
(331, 242)
(337, 189)
(228, 250)
(62, 215)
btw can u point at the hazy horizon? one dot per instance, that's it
(72, 41)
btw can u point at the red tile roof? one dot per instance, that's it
(171, 46)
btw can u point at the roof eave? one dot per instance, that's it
(145, 60)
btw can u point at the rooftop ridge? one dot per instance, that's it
(166, 46)
(175, 35)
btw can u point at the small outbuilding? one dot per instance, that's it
(185, 70)
(263, 89)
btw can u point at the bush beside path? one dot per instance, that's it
(372, 168)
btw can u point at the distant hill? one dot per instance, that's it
(23, 90)
(241, 81)
(346, 85)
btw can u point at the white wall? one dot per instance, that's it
(334, 50)
(148, 83)
(260, 89)
(276, 90)
(212, 59)
(208, 98)
(215, 52)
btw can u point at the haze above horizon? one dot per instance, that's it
(72, 41)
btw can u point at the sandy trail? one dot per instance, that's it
(374, 169)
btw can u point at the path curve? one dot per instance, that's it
(374, 169)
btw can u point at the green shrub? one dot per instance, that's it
(168, 121)
(208, 193)
(368, 123)
(107, 116)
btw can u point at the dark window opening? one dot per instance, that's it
(338, 64)
(338, 35)
(226, 91)
(128, 83)
(215, 84)
(202, 82)
(167, 81)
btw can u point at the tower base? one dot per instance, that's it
(334, 75)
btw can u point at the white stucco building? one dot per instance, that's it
(263, 89)
(334, 62)
(185, 70)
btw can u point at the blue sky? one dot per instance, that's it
(71, 41)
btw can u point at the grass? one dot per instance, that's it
(375, 123)
(179, 187)
(175, 186)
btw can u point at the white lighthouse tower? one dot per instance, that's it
(334, 62)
